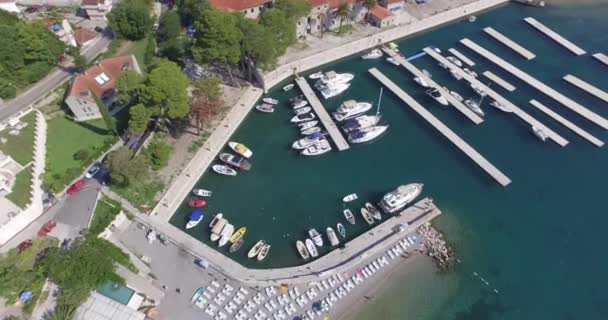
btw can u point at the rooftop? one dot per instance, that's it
(99, 307)
(380, 12)
(83, 35)
(236, 5)
(101, 77)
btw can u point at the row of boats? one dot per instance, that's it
(315, 141)
(232, 162)
(308, 247)
(331, 83)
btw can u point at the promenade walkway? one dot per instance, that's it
(555, 36)
(590, 89)
(509, 43)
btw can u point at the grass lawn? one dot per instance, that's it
(21, 190)
(20, 147)
(105, 211)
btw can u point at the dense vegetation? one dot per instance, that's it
(130, 19)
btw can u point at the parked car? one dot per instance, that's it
(47, 227)
(93, 170)
(75, 187)
(24, 245)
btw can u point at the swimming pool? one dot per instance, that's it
(116, 292)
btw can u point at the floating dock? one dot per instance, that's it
(416, 72)
(499, 81)
(576, 129)
(555, 36)
(462, 57)
(510, 43)
(443, 129)
(601, 58)
(328, 123)
(494, 95)
(592, 90)
(567, 102)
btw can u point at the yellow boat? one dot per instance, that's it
(240, 148)
(237, 235)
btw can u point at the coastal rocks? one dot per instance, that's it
(436, 247)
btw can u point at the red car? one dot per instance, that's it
(197, 203)
(46, 228)
(75, 187)
(24, 245)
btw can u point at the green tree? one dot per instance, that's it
(368, 4)
(130, 19)
(343, 12)
(281, 27)
(150, 50)
(293, 8)
(139, 117)
(166, 91)
(7, 89)
(127, 85)
(190, 10)
(80, 62)
(158, 153)
(209, 86)
(218, 38)
(110, 121)
(126, 169)
(170, 40)
(259, 44)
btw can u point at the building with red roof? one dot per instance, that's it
(380, 17)
(84, 36)
(251, 8)
(323, 16)
(394, 6)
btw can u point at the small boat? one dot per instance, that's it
(350, 197)
(455, 74)
(197, 203)
(472, 18)
(235, 161)
(500, 106)
(349, 216)
(237, 235)
(240, 149)
(217, 229)
(393, 46)
(470, 72)
(456, 96)
(215, 220)
(318, 148)
(151, 236)
(226, 233)
(436, 49)
(540, 134)
(312, 249)
(302, 110)
(331, 235)
(299, 103)
(361, 122)
(334, 89)
(436, 94)
(302, 250)
(480, 92)
(421, 82)
(237, 245)
(366, 134)
(341, 229)
(392, 61)
(195, 218)
(264, 252)
(201, 192)
(307, 141)
(367, 216)
(267, 108)
(454, 61)
(427, 73)
(307, 124)
(270, 100)
(316, 75)
(288, 87)
(474, 107)
(255, 250)
(197, 294)
(373, 211)
(374, 54)
(225, 170)
(310, 130)
(316, 237)
(303, 117)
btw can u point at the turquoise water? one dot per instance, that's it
(116, 292)
(538, 241)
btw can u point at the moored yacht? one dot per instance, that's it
(302, 110)
(264, 252)
(312, 249)
(341, 229)
(474, 107)
(217, 218)
(316, 75)
(307, 141)
(470, 72)
(225, 170)
(454, 61)
(216, 231)
(373, 211)
(332, 90)
(310, 130)
(332, 77)
(374, 54)
(226, 233)
(400, 197)
(235, 161)
(303, 117)
(500, 107)
(366, 134)
(540, 134)
(421, 82)
(361, 122)
(480, 92)
(302, 250)
(436, 94)
(316, 237)
(350, 109)
(307, 124)
(300, 103)
(270, 100)
(331, 235)
(318, 148)
(392, 60)
(195, 218)
(240, 149)
(456, 96)
(255, 250)
(455, 74)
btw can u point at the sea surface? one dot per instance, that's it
(539, 242)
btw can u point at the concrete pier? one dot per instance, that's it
(576, 129)
(592, 90)
(510, 43)
(533, 82)
(494, 95)
(601, 58)
(328, 122)
(462, 57)
(499, 81)
(416, 72)
(555, 36)
(482, 162)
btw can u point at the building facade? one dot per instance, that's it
(96, 9)
(251, 8)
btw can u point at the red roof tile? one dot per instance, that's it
(236, 5)
(83, 35)
(333, 4)
(392, 1)
(380, 12)
(316, 3)
(85, 83)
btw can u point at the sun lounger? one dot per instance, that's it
(268, 306)
(325, 284)
(215, 284)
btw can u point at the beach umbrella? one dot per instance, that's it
(25, 296)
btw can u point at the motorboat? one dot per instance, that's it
(421, 82)
(349, 216)
(332, 78)
(307, 141)
(302, 110)
(197, 203)
(400, 197)
(474, 107)
(297, 98)
(427, 73)
(367, 216)
(316, 75)
(442, 65)
(317, 149)
(225, 234)
(217, 218)
(270, 100)
(500, 106)
(316, 237)
(366, 134)
(264, 107)
(361, 122)
(197, 294)
(312, 249)
(436, 94)
(151, 236)
(302, 250)
(216, 231)
(456, 96)
(350, 197)
(235, 161)
(350, 109)
(307, 124)
(454, 61)
(240, 149)
(455, 74)
(288, 87)
(310, 130)
(331, 235)
(374, 54)
(341, 229)
(540, 134)
(201, 192)
(478, 90)
(392, 60)
(373, 211)
(303, 117)
(472, 18)
(236, 245)
(300, 103)
(255, 250)
(264, 252)
(436, 49)
(334, 90)
(195, 218)
(470, 72)
(237, 235)
(223, 169)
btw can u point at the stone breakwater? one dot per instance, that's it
(435, 246)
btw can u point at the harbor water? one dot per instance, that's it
(538, 242)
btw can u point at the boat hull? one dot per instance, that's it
(312, 249)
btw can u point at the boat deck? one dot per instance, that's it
(328, 122)
(583, 85)
(555, 36)
(499, 81)
(601, 58)
(480, 160)
(509, 43)
(494, 95)
(533, 82)
(462, 57)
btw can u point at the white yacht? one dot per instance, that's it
(307, 124)
(455, 74)
(216, 230)
(303, 117)
(456, 96)
(366, 134)
(478, 90)
(318, 148)
(470, 72)
(316, 75)
(540, 134)
(310, 246)
(307, 141)
(332, 77)
(392, 61)
(500, 107)
(436, 94)
(400, 197)
(310, 130)
(474, 107)
(361, 122)
(331, 235)
(454, 61)
(302, 110)
(374, 54)
(350, 109)
(332, 90)
(421, 82)
(226, 233)
(299, 103)
(316, 237)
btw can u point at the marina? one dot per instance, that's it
(509, 43)
(555, 36)
(499, 81)
(566, 123)
(462, 57)
(480, 160)
(328, 123)
(601, 58)
(555, 95)
(583, 85)
(494, 95)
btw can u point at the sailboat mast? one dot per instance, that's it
(379, 100)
